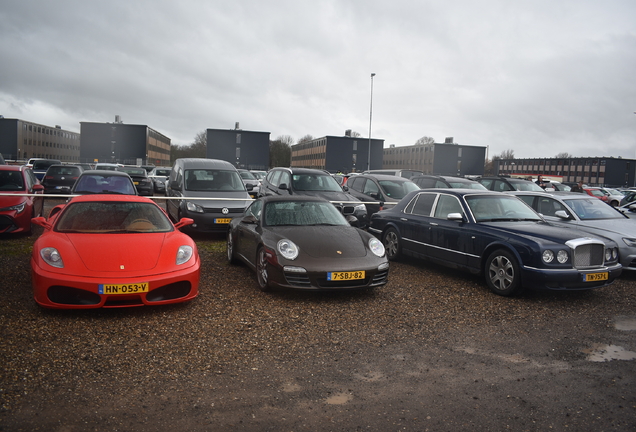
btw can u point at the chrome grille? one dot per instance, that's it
(589, 255)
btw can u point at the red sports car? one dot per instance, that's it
(112, 251)
(16, 210)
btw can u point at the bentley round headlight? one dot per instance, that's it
(288, 249)
(562, 256)
(52, 257)
(376, 247)
(547, 256)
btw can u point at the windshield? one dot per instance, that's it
(302, 213)
(162, 172)
(11, 181)
(113, 217)
(500, 208)
(592, 209)
(247, 175)
(526, 186)
(44, 164)
(213, 180)
(133, 171)
(315, 182)
(397, 189)
(93, 184)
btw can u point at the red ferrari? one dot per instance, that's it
(112, 251)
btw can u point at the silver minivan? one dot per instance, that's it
(212, 190)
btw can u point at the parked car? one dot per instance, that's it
(159, 177)
(614, 197)
(104, 182)
(107, 166)
(85, 166)
(556, 186)
(628, 210)
(112, 251)
(212, 191)
(313, 182)
(60, 178)
(16, 211)
(589, 214)
(139, 176)
(434, 181)
(597, 192)
(259, 174)
(41, 165)
(503, 184)
(388, 190)
(250, 179)
(395, 172)
(304, 242)
(629, 197)
(496, 235)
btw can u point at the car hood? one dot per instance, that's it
(329, 196)
(325, 241)
(9, 201)
(114, 252)
(624, 227)
(542, 230)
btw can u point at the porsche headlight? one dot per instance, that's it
(184, 254)
(376, 247)
(547, 256)
(288, 249)
(52, 257)
(563, 256)
(194, 207)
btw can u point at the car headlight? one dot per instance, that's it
(608, 254)
(52, 257)
(194, 207)
(288, 249)
(360, 207)
(630, 242)
(547, 256)
(184, 254)
(563, 256)
(19, 208)
(376, 247)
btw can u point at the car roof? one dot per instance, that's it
(104, 173)
(384, 177)
(110, 197)
(203, 163)
(12, 167)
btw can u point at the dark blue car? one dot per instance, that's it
(498, 236)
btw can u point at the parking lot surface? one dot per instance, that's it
(432, 350)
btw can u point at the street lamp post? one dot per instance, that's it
(370, 117)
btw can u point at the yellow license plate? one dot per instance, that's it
(340, 276)
(135, 183)
(222, 220)
(133, 288)
(592, 277)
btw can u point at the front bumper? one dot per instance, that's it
(567, 279)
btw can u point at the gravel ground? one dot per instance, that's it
(432, 350)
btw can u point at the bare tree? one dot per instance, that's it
(197, 149)
(355, 134)
(564, 155)
(507, 154)
(425, 140)
(280, 151)
(306, 138)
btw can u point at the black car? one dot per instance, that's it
(60, 178)
(388, 190)
(139, 175)
(503, 184)
(313, 182)
(304, 242)
(435, 181)
(41, 165)
(497, 235)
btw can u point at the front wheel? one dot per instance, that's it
(392, 244)
(262, 274)
(502, 273)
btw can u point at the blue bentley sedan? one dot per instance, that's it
(497, 235)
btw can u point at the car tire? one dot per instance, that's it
(262, 275)
(502, 273)
(614, 203)
(231, 256)
(392, 244)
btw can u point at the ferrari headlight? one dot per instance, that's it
(376, 247)
(288, 249)
(194, 207)
(52, 257)
(184, 254)
(563, 256)
(547, 256)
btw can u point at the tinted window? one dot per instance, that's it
(213, 180)
(11, 181)
(446, 205)
(423, 204)
(113, 217)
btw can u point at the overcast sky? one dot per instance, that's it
(538, 77)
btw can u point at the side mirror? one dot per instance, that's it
(562, 214)
(249, 219)
(249, 187)
(183, 222)
(282, 186)
(345, 188)
(38, 188)
(455, 217)
(174, 185)
(41, 222)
